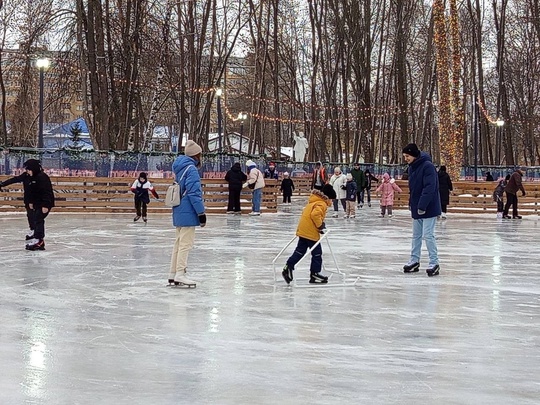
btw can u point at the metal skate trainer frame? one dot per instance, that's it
(344, 282)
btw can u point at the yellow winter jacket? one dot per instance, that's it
(313, 216)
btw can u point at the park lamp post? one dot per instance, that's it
(242, 117)
(42, 64)
(219, 92)
(498, 140)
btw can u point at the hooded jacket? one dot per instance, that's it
(191, 204)
(424, 188)
(313, 216)
(235, 177)
(255, 176)
(39, 189)
(445, 186)
(387, 189)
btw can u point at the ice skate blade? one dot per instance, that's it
(177, 284)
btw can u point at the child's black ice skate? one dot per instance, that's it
(39, 245)
(433, 270)
(136, 218)
(411, 267)
(287, 274)
(145, 219)
(318, 278)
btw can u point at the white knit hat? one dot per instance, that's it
(286, 173)
(250, 163)
(349, 176)
(192, 148)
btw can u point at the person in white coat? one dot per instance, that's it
(339, 183)
(256, 183)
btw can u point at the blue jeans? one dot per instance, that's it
(424, 228)
(257, 197)
(300, 251)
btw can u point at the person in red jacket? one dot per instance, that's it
(320, 178)
(514, 185)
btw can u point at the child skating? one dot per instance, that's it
(140, 188)
(309, 230)
(350, 199)
(387, 188)
(287, 187)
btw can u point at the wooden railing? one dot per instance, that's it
(108, 194)
(467, 196)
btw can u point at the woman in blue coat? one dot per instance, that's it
(425, 206)
(189, 214)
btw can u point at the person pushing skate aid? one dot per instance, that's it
(309, 230)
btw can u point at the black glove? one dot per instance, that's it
(522, 193)
(322, 228)
(343, 187)
(202, 220)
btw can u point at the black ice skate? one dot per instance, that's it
(411, 267)
(318, 278)
(145, 219)
(433, 271)
(136, 218)
(39, 245)
(29, 235)
(287, 274)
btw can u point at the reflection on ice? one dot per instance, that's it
(90, 319)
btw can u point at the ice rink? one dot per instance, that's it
(91, 320)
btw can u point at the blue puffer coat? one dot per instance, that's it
(191, 205)
(424, 188)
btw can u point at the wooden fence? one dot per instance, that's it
(112, 194)
(467, 196)
(108, 194)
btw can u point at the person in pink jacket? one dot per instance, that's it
(387, 188)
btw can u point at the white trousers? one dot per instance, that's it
(185, 237)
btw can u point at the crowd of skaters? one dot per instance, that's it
(429, 192)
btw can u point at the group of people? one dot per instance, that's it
(424, 203)
(428, 199)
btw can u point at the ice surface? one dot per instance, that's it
(90, 320)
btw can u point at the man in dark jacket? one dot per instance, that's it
(445, 186)
(425, 206)
(235, 177)
(23, 178)
(360, 180)
(514, 185)
(40, 201)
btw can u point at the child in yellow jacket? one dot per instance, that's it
(309, 230)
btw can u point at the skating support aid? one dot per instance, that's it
(344, 281)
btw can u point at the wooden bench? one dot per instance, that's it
(112, 194)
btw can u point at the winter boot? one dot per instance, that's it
(433, 270)
(318, 278)
(38, 245)
(411, 267)
(287, 274)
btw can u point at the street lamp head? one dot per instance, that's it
(219, 92)
(499, 122)
(43, 63)
(242, 116)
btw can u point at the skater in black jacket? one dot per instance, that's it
(287, 187)
(40, 197)
(23, 178)
(235, 177)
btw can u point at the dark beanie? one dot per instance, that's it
(328, 191)
(143, 175)
(412, 150)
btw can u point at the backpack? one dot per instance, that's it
(174, 195)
